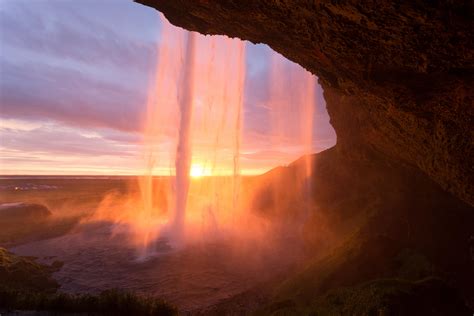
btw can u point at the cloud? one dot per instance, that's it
(53, 139)
(66, 31)
(42, 92)
(63, 62)
(73, 85)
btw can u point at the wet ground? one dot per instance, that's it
(96, 257)
(193, 277)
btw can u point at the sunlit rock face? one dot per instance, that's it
(397, 78)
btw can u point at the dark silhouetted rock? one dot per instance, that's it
(24, 273)
(14, 212)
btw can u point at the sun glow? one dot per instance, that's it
(205, 194)
(198, 170)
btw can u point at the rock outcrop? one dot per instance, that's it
(23, 222)
(25, 213)
(24, 273)
(397, 76)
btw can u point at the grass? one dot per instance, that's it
(28, 285)
(110, 302)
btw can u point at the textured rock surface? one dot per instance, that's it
(397, 77)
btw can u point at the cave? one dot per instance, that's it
(397, 79)
(140, 178)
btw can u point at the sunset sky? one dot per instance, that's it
(73, 91)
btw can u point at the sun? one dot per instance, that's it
(198, 170)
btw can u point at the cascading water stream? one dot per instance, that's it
(194, 127)
(238, 129)
(183, 151)
(192, 72)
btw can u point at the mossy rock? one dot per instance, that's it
(380, 298)
(24, 273)
(110, 302)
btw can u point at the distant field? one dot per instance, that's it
(68, 199)
(61, 194)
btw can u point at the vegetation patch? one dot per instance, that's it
(381, 297)
(28, 285)
(25, 274)
(110, 302)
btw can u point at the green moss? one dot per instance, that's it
(413, 265)
(367, 275)
(367, 299)
(380, 297)
(359, 259)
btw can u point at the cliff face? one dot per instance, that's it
(397, 77)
